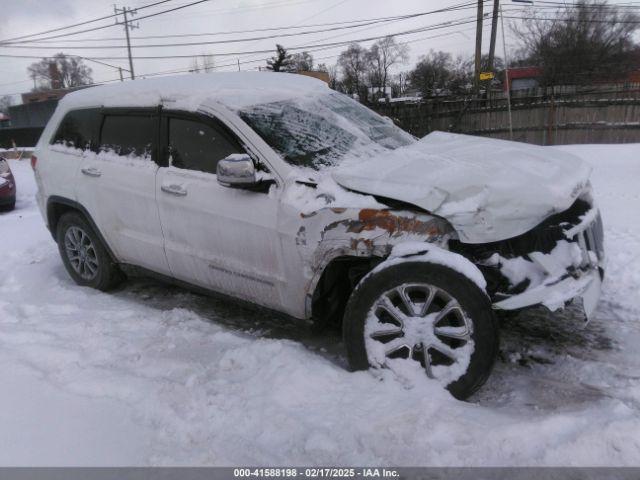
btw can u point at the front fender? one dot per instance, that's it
(433, 253)
(332, 233)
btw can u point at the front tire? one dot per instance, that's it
(84, 255)
(426, 313)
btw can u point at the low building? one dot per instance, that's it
(523, 78)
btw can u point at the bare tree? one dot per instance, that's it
(591, 40)
(281, 62)
(432, 73)
(59, 71)
(302, 62)
(382, 55)
(354, 64)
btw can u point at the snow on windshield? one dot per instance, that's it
(323, 130)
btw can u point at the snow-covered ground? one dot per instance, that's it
(151, 374)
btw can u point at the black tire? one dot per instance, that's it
(107, 274)
(8, 207)
(471, 299)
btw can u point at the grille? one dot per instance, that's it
(542, 238)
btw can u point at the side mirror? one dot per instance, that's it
(237, 171)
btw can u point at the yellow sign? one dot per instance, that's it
(486, 75)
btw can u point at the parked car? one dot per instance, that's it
(7, 186)
(274, 189)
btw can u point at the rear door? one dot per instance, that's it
(116, 184)
(58, 167)
(220, 238)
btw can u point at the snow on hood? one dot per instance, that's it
(488, 189)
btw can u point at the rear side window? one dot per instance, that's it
(196, 145)
(79, 129)
(129, 135)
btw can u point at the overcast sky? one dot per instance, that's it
(33, 16)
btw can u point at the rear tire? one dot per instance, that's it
(8, 207)
(84, 255)
(458, 349)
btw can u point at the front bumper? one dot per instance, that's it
(582, 280)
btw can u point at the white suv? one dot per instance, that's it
(274, 189)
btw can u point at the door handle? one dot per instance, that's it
(174, 190)
(91, 171)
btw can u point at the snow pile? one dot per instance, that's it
(154, 375)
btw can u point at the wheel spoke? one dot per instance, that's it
(427, 362)
(427, 303)
(459, 333)
(448, 308)
(84, 239)
(445, 350)
(92, 267)
(386, 333)
(396, 344)
(76, 236)
(391, 309)
(406, 301)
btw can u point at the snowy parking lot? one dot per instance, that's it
(154, 375)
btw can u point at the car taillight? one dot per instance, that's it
(34, 161)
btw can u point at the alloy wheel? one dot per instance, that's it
(423, 323)
(81, 253)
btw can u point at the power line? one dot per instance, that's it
(78, 24)
(113, 24)
(217, 42)
(266, 29)
(436, 26)
(246, 39)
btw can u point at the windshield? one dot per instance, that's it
(323, 130)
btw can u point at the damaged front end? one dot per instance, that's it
(560, 260)
(356, 239)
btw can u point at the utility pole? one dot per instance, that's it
(506, 75)
(476, 79)
(238, 64)
(127, 26)
(494, 32)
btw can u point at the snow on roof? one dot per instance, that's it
(233, 89)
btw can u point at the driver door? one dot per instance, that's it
(216, 237)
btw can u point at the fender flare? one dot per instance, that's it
(54, 200)
(431, 253)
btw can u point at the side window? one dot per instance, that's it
(195, 145)
(79, 129)
(129, 135)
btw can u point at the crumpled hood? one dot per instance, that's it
(488, 189)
